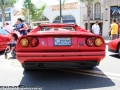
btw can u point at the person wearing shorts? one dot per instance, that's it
(114, 30)
(11, 45)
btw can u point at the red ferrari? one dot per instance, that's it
(60, 46)
(114, 46)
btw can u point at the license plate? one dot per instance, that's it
(62, 41)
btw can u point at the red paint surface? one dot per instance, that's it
(4, 39)
(113, 45)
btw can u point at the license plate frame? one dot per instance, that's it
(62, 41)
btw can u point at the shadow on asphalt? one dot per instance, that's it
(115, 56)
(63, 80)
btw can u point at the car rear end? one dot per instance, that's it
(48, 52)
(60, 50)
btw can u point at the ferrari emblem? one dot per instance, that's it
(43, 43)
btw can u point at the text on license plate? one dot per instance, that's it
(62, 41)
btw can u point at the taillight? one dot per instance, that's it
(90, 41)
(24, 42)
(98, 42)
(34, 42)
(29, 41)
(93, 41)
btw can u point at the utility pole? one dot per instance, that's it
(60, 12)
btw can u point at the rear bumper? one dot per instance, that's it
(63, 65)
(59, 56)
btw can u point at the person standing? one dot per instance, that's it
(114, 30)
(118, 28)
(8, 28)
(96, 28)
(21, 27)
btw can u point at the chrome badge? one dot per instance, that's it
(43, 43)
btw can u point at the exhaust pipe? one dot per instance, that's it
(40, 65)
(83, 64)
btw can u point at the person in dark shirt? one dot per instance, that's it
(21, 27)
(11, 45)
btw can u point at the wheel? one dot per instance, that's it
(13, 53)
(6, 55)
(119, 50)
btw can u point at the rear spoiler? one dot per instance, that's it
(57, 24)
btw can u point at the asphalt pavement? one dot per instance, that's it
(106, 76)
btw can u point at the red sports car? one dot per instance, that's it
(114, 46)
(5, 37)
(60, 46)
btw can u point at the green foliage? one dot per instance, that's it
(7, 3)
(24, 13)
(34, 12)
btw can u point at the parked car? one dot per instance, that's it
(4, 39)
(60, 46)
(114, 46)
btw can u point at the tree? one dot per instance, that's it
(88, 4)
(5, 4)
(30, 11)
(24, 13)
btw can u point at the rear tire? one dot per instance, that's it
(119, 50)
(13, 53)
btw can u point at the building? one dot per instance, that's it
(9, 15)
(102, 11)
(70, 13)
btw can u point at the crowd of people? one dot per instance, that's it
(21, 27)
(114, 31)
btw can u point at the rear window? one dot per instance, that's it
(57, 29)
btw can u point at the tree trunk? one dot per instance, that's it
(3, 15)
(3, 18)
(88, 17)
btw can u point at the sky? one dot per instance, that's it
(48, 2)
